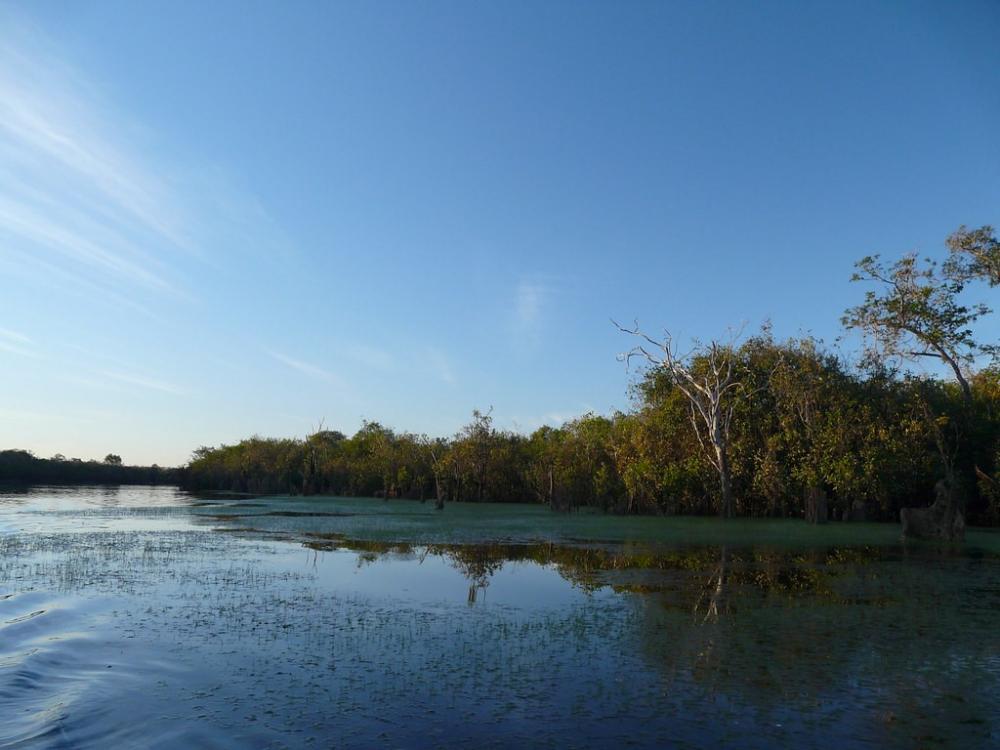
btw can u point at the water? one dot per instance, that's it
(142, 617)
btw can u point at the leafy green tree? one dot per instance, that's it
(545, 451)
(474, 449)
(915, 312)
(975, 254)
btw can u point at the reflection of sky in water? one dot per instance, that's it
(68, 509)
(126, 622)
(431, 580)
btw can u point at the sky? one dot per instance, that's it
(228, 218)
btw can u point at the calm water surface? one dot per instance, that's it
(146, 618)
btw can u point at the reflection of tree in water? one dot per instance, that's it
(712, 594)
(478, 563)
(690, 624)
(850, 639)
(706, 577)
(858, 641)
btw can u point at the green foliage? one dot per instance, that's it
(861, 437)
(916, 311)
(917, 308)
(975, 254)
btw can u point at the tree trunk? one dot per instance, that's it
(959, 376)
(438, 493)
(725, 483)
(552, 489)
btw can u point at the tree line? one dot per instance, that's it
(739, 426)
(22, 466)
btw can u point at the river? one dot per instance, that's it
(143, 617)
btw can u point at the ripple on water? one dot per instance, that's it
(58, 672)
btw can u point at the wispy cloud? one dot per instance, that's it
(370, 356)
(66, 239)
(29, 268)
(14, 336)
(528, 300)
(532, 298)
(144, 382)
(50, 125)
(14, 349)
(306, 368)
(439, 364)
(16, 343)
(69, 189)
(86, 188)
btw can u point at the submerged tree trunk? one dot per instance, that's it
(944, 519)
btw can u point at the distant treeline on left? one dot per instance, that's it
(22, 466)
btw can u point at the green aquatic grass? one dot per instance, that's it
(473, 523)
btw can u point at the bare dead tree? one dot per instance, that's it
(709, 379)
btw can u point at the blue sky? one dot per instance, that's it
(226, 218)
